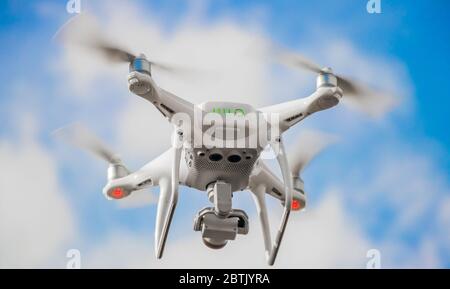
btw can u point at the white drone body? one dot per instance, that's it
(221, 168)
(220, 171)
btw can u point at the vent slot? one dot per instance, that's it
(171, 111)
(145, 183)
(160, 110)
(294, 117)
(276, 192)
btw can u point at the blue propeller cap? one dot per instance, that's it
(141, 64)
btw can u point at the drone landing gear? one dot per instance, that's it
(259, 194)
(168, 198)
(220, 223)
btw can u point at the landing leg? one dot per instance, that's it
(168, 199)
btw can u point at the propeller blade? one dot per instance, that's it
(298, 61)
(374, 103)
(81, 137)
(84, 30)
(309, 145)
(115, 54)
(170, 68)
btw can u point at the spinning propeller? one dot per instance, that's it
(81, 137)
(84, 30)
(368, 100)
(309, 145)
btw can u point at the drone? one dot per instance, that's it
(217, 148)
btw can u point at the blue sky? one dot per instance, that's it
(410, 143)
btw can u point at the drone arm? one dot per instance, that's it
(291, 112)
(152, 174)
(138, 180)
(167, 103)
(272, 184)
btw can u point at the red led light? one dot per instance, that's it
(117, 193)
(295, 205)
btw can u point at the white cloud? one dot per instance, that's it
(413, 192)
(142, 131)
(35, 218)
(322, 237)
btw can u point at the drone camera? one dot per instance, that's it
(217, 230)
(221, 223)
